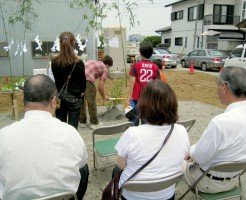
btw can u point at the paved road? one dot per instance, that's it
(215, 73)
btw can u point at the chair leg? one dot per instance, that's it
(196, 193)
(94, 158)
(98, 171)
(240, 186)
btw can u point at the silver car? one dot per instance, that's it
(205, 59)
(168, 58)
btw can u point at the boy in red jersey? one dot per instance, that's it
(141, 73)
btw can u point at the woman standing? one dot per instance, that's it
(64, 65)
(158, 106)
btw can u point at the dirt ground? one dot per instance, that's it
(197, 87)
(188, 87)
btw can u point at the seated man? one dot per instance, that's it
(40, 155)
(225, 137)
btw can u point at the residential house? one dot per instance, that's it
(54, 17)
(204, 24)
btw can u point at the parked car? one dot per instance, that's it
(205, 59)
(168, 58)
(237, 57)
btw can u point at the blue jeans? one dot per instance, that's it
(135, 118)
(70, 110)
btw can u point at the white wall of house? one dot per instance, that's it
(168, 34)
(186, 29)
(54, 18)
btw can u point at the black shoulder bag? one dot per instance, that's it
(58, 98)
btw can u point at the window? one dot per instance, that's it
(192, 12)
(237, 53)
(198, 42)
(167, 41)
(223, 14)
(185, 42)
(194, 53)
(46, 49)
(243, 11)
(201, 53)
(177, 15)
(3, 52)
(216, 53)
(179, 41)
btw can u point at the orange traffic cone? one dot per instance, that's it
(221, 67)
(192, 68)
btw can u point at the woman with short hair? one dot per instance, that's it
(159, 107)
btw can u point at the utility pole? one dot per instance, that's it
(197, 14)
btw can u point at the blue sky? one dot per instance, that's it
(152, 16)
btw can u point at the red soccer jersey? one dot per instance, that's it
(144, 71)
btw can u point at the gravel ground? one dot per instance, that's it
(203, 113)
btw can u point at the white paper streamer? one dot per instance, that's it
(39, 43)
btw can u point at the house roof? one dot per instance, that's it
(171, 4)
(168, 28)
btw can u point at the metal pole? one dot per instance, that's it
(194, 38)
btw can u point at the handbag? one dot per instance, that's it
(112, 191)
(59, 95)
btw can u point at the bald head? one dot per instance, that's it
(39, 89)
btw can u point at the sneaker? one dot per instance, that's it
(96, 126)
(82, 125)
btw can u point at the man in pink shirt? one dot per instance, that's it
(94, 69)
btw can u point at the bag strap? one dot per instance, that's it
(153, 157)
(67, 80)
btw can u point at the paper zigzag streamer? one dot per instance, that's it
(39, 43)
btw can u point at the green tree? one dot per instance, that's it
(25, 14)
(123, 8)
(155, 40)
(13, 12)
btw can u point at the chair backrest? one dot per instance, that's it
(59, 196)
(112, 129)
(187, 123)
(228, 167)
(152, 185)
(220, 167)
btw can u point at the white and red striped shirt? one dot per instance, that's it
(95, 69)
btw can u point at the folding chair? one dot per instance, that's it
(220, 167)
(187, 123)
(59, 196)
(152, 185)
(103, 148)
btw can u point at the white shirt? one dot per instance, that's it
(223, 140)
(139, 144)
(39, 155)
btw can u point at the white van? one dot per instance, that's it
(237, 57)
